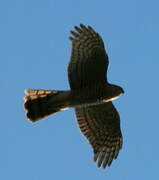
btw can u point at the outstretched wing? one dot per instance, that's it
(89, 60)
(101, 126)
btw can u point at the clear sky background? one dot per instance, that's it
(34, 53)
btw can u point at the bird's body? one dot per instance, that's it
(91, 95)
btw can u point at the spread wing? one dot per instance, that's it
(89, 60)
(100, 124)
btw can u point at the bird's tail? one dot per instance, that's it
(41, 103)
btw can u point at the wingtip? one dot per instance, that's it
(78, 30)
(82, 26)
(70, 38)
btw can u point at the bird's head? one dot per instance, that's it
(113, 92)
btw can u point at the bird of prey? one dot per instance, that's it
(91, 95)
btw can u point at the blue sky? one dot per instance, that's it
(35, 52)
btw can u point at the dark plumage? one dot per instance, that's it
(91, 95)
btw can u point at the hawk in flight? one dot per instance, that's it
(91, 95)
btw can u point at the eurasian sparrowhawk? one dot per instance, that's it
(91, 95)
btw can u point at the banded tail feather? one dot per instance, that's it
(42, 103)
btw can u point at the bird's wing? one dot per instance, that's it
(100, 124)
(89, 60)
